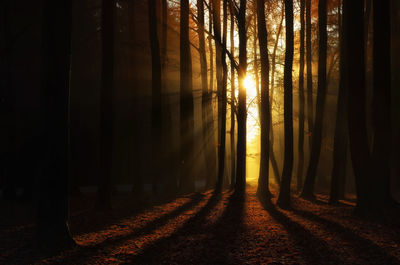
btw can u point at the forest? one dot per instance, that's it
(200, 132)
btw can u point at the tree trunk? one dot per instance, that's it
(233, 98)
(186, 103)
(382, 101)
(353, 25)
(107, 105)
(156, 113)
(308, 189)
(300, 164)
(340, 138)
(212, 158)
(52, 205)
(242, 112)
(263, 179)
(284, 194)
(310, 106)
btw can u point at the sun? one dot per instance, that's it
(250, 85)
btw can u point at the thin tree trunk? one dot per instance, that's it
(263, 179)
(310, 106)
(156, 114)
(211, 178)
(107, 105)
(308, 189)
(233, 98)
(284, 194)
(242, 112)
(300, 164)
(52, 230)
(186, 103)
(340, 138)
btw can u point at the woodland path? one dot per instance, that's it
(204, 228)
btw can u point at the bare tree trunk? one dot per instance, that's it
(353, 25)
(156, 113)
(263, 179)
(233, 98)
(300, 164)
(284, 194)
(242, 112)
(308, 189)
(310, 104)
(107, 105)
(186, 103)
(382, 101)
(340, 138)
(52, 231)
(211, 178)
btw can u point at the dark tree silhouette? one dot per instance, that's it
(242, 110)
(263, 179)
(284, 193)
(186, 103)
(233, 97)
(52, 205)
(107, 105)
(300, 164)
(308, 189)
(310, 104)
(341, 137)
(156, 99)
(382, 101)
(353, 25)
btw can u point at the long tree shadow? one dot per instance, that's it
(202, 244)
(82, 252)
(315, 250)
(372, 252)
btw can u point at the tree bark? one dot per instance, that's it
(156, 84)
(308, 189)
(353, 25)
(233, 98)
(52, 229)
(186, 103)
(106, 105)
(381, 152)
(340, 138)
(284, 200)
(310, 105)
(263, 179)
(242, 112)
(300, 164)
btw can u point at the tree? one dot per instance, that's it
(52, 206)
(353, 25)
(106, 104)
(242, 112)
(284, 193)
(310, 106)
(308, 189)
(156, 84)
(340, 138)
(186, 102)
(381, 152)
(233, 97)
(263, 179)
(301, 100)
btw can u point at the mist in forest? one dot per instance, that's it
(151, 124)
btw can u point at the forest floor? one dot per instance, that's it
(204, 228)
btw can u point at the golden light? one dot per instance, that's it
(250, 85)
